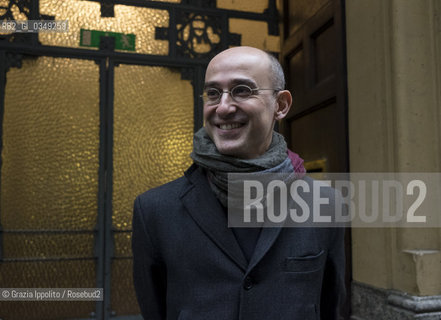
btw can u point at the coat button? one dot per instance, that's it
(248, 283)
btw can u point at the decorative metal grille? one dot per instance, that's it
(197, 30)
(24, 6)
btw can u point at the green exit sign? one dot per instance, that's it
(91, 38)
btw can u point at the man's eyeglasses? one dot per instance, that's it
(239, 93)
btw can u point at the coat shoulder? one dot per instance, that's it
(167, 191)
(165, 199)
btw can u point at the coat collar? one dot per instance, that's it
(208, 213)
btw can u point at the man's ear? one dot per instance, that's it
(284, 101)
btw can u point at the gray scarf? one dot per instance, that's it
(206, 155)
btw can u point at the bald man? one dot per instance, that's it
(187, 263)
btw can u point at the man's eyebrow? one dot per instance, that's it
(211, 84)
(232, 83)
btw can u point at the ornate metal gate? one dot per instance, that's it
(83, 130)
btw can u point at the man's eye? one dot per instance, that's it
(242, 91)
(212, 93)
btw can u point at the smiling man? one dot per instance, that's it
(187, 263)
(243, 128)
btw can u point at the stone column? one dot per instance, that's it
(394, 91)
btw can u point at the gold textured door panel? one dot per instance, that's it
(49, 182)
(152, 141)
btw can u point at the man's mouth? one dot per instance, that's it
(230, 126)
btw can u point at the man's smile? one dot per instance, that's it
(230, 126)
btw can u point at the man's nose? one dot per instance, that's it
(226, 104)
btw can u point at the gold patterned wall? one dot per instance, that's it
(49, 174)
(87, 15)
(248, 30)
(49, 181)
(143, 22)
(257, 6)
(153, 129)
(50, 145)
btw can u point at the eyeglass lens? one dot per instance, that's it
(239, 92)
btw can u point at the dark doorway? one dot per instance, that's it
(313, 53)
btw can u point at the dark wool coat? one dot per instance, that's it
(189, 266)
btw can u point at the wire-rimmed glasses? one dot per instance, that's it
(238, 93)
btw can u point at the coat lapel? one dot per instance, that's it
(267, 237)
(207, 212)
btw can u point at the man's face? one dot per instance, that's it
(240, 129)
